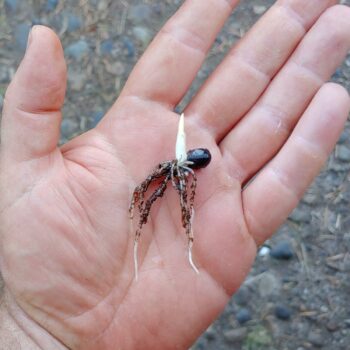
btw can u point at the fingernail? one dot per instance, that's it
(30, 37)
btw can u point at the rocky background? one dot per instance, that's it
(298, 293)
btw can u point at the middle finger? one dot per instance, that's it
(244, 74)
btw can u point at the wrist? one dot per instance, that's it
(18, 331)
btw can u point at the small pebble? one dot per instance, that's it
(282, 312)
(268, 285)
(243, 316)
(242, 296)
(38, 21)
(343, 137)
(282, 251)
(115, 68)
(69, 127)
(316, 339)
(102, 5)
(11, 5)
(4, 73)
(129, 46)
(139, 14)
(264, 250)
(77, 49)
(74, 23)
(210, 333)
(310, 198)
(324, 308)
(77, 80)
(97, 117)
(343, 153)
(337, 74)
(21, 35)
(51, 5)
(332, 326)
(143, 35)
(259, 9)
(106, 47)
(300, 215)
(235, 335)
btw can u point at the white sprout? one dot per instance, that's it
(180, 149)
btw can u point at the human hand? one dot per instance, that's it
(66, 250)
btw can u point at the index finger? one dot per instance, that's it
(167, 68)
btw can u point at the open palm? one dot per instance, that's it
(66, 245)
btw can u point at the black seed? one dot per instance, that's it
(200, 157)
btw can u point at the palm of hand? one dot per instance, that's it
(75, 237)
(66, 243)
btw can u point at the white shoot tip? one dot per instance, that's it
(180, 150)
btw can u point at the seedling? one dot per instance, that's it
(180, 172)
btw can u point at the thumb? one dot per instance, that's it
(32, 105)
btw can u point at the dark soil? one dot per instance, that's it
(296, 298)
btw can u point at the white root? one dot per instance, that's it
(136, 243)
(191, 260)
(190, 245)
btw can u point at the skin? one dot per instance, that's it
(66, 248)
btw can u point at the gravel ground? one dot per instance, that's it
(298, 293)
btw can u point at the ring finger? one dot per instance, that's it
(267, 126)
